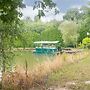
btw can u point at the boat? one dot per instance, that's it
(46, 47)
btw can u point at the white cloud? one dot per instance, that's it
(29, 12)
(76, 6)
(51, 15)
(23, 1)
(58, 17)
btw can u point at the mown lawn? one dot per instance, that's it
(73, 76)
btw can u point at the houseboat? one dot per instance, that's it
(46, 47)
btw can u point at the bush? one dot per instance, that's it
(85, 43)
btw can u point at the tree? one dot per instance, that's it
(9, 10)
(74, 14)
(69, 33)
(36, 31)
(31, 33)
(51, 33)
(9, 28)
(84, 29)
(42, 7)
(85, 25)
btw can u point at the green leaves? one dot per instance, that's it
(9, 28)
(74, 14)
(39, 31)
(9, 10)
(85, 43)
(42, 5)
(69, 33)
(51, 33)
(49, 3)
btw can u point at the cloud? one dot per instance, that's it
(51, 15)
(29, 12)
(23, 1)
(76, 6)
(58, 17)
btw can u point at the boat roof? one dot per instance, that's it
(46, 42)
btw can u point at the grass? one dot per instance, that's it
(32, 59)
(58, 70)
(77, 72)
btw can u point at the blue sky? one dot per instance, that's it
(63, 6)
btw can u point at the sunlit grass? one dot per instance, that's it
(58, 70)
(77, 72)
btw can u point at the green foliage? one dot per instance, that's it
(31, 32)
(69, 33)
(52, 33)
(86, 42)
(42, 5)
(84, 29)
(8, 10)
(74, 15)
(36, 31)
(49, 3)
(8, 33)
(9, 28)
(85, 25)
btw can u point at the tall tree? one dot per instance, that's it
(84, 30)
(52, 33)
(9, 24)
(42, 7)
(69, 33)
(74, 14)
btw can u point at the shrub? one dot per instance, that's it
(85, 43)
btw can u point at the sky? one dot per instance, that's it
(62, 5)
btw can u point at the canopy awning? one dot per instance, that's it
(46, 42)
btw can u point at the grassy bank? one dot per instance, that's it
(75, 76)
(56, 68)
